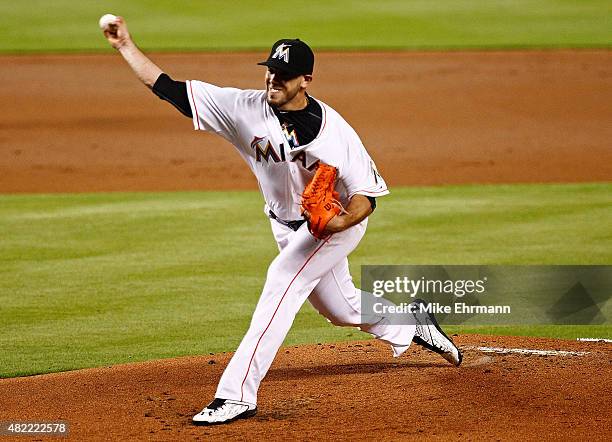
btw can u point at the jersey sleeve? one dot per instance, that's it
(358, 172)
(174, 92)
(213, 108)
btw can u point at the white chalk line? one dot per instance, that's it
(527, 351)
(594, 340)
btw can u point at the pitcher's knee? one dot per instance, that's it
(343, 319)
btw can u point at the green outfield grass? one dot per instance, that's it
(66, 25)
(97, 279)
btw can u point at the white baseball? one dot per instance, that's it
(106, 20)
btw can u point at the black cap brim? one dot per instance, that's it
(277, 64)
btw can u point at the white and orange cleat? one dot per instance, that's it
(429, 334)
(223, 411)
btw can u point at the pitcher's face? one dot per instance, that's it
(283, 90)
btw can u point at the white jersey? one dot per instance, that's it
(245, 119)
(306, 267)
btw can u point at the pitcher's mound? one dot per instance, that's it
(347, 391)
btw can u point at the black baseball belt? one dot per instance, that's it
(293, 225)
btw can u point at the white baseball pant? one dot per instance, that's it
(304, 268)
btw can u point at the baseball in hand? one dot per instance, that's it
(106, 20)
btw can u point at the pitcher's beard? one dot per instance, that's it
(279, 99)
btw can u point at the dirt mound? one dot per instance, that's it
(84, 123)
(348, 391)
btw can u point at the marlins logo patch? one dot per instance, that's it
(282, 52)
(290, 136)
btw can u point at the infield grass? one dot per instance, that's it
(68, 26)
(98, 279)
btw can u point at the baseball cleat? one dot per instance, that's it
(429, 335)
(223, 411)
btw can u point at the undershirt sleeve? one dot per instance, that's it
(174, 92)
(372, 202)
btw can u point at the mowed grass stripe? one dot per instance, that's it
(97, 279)
(65, 26)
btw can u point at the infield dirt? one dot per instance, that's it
(84, 123)
(350, 391)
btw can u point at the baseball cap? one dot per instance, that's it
(292, 56)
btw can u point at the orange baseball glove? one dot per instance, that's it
(320, 200)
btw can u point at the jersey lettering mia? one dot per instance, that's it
(281, 165)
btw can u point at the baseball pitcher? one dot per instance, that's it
(319, 185)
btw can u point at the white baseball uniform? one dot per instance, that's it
(305, 268)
